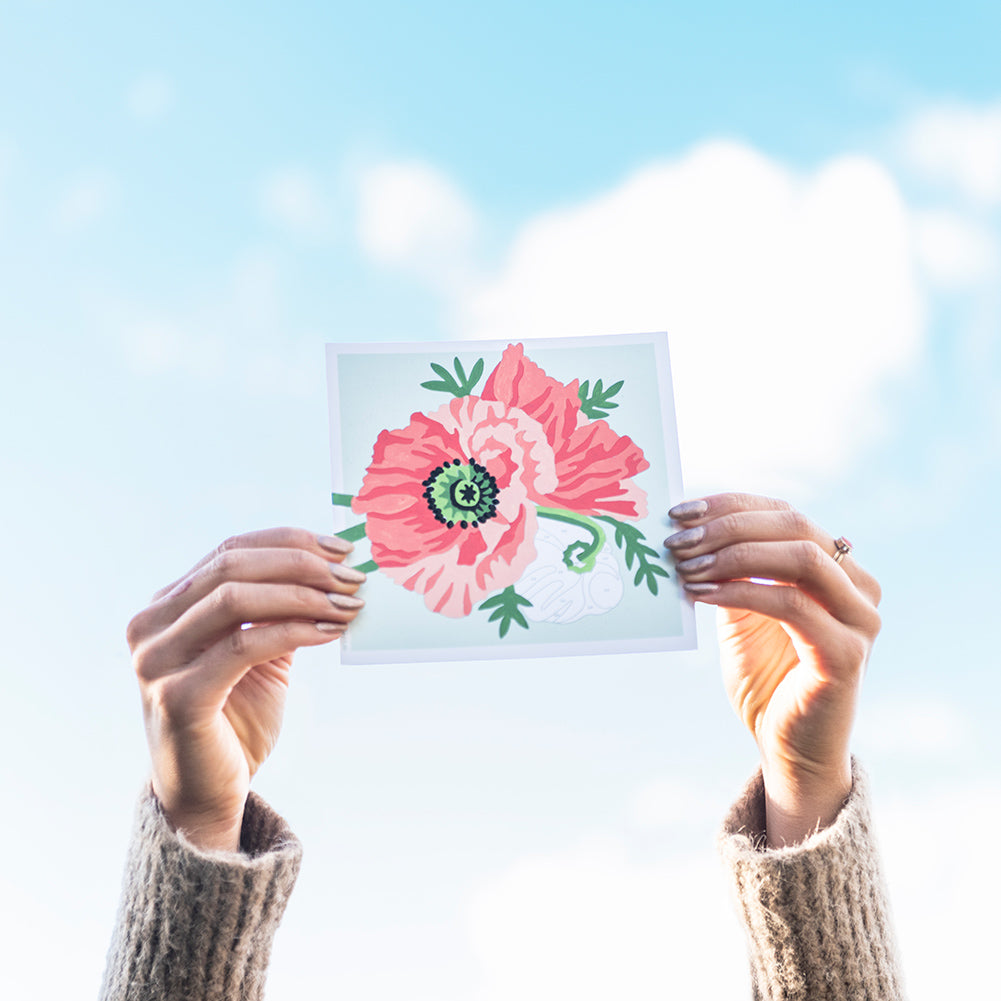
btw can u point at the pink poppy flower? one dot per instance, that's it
(447, 501)
(451, 499)
(593, 463)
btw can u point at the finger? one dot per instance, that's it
(330, 547)
(228, 608)
(837, 647)
(281, 566)
(800, 563)
(731, 518)
(705, 508)
(291, 566)
(227, 660)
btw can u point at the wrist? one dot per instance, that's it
(798, 806)
(206, 830)
(211, 836)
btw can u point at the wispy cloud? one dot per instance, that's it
(958, 146)
(84, 201)
(914, 727)
(791, 298)
(943, 895)
(150, 97)
(240, 334)
(411, 216)
(956, 252)
(592, 923)
(292, 199)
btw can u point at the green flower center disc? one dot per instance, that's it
(461, 493)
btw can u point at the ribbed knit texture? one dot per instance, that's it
(194, 925)
(816, 914)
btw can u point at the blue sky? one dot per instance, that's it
(193, 200)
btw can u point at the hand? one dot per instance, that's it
(793, 651)
(213, 687)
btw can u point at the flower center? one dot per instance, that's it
(461, 493)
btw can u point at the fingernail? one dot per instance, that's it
(335, 543)
(687, 537)
(330, 627)
(345, 600)
(701, 587)
(688, 510)
(697, 563)
(348, 574)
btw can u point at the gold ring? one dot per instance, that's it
(842, 547)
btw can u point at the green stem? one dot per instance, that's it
(369, 566)
(578, 556)
(341, 500)
(354, 533)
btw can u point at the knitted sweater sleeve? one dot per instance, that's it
(816, 914)
(199, 925)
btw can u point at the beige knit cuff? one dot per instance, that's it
(196, 924)
(816, 913)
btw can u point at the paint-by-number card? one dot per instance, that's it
(508, 498)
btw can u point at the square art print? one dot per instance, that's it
(508, 498)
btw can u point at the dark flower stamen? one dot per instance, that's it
(462, 494)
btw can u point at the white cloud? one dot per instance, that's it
(943, 887)
(240, 335)
(913, 727)
(29, 927)
(84, 201)
(411, 216)
(150, 97)
(291, 198)
(670, 803)
(790, 299)
(591, 924)
(956, 252)
(958, 146)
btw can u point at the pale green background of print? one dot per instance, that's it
(382, 390)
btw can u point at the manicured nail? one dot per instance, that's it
(347, 574)
(688, 510)
(701, 587)
(687, 537)
(697, 563)
(345, 600)
(331, 627)
(335, 543)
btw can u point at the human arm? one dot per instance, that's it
(816, 914)
(213, 655)
(799, 843)
(211, 866)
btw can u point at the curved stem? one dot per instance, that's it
(578, 556)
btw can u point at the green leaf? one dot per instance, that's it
(457, 383)
(354, 533)
(632, 542)
(597, 402)
(505, 609)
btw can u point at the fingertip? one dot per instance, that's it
(332, 629)
(335, 544)
(688, 510)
